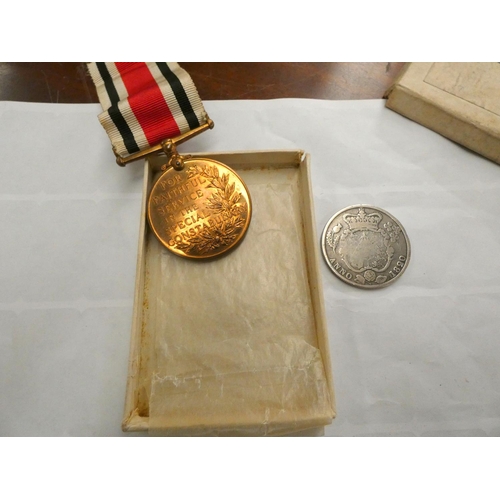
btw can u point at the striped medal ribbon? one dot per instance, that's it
(145, 103)
(198, 207)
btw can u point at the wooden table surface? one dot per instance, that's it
(70, 82)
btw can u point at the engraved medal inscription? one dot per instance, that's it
(201, 211)
(365, 246)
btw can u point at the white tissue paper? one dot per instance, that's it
(420, 357)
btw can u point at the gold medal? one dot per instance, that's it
(197, 208)
(200, 211)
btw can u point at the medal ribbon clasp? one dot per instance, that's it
(167, 146)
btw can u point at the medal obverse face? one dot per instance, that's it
(200, 211)
(365, 246)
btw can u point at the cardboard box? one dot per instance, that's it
(460, 101)
(237, 345)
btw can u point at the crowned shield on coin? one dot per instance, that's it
(365, 246)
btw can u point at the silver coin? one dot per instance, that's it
(365, 246)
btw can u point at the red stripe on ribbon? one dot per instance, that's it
(147, 102)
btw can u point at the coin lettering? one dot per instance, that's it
(365, 246)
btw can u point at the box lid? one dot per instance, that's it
(461, 101)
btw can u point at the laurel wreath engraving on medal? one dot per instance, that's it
(200, 211)
(224, 202)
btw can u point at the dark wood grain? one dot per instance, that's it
(46, 82)
(70, 82)
(303, 80)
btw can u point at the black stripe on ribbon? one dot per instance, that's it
(180, 94)
(114, 112)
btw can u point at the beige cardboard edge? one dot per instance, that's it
(453, 118)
